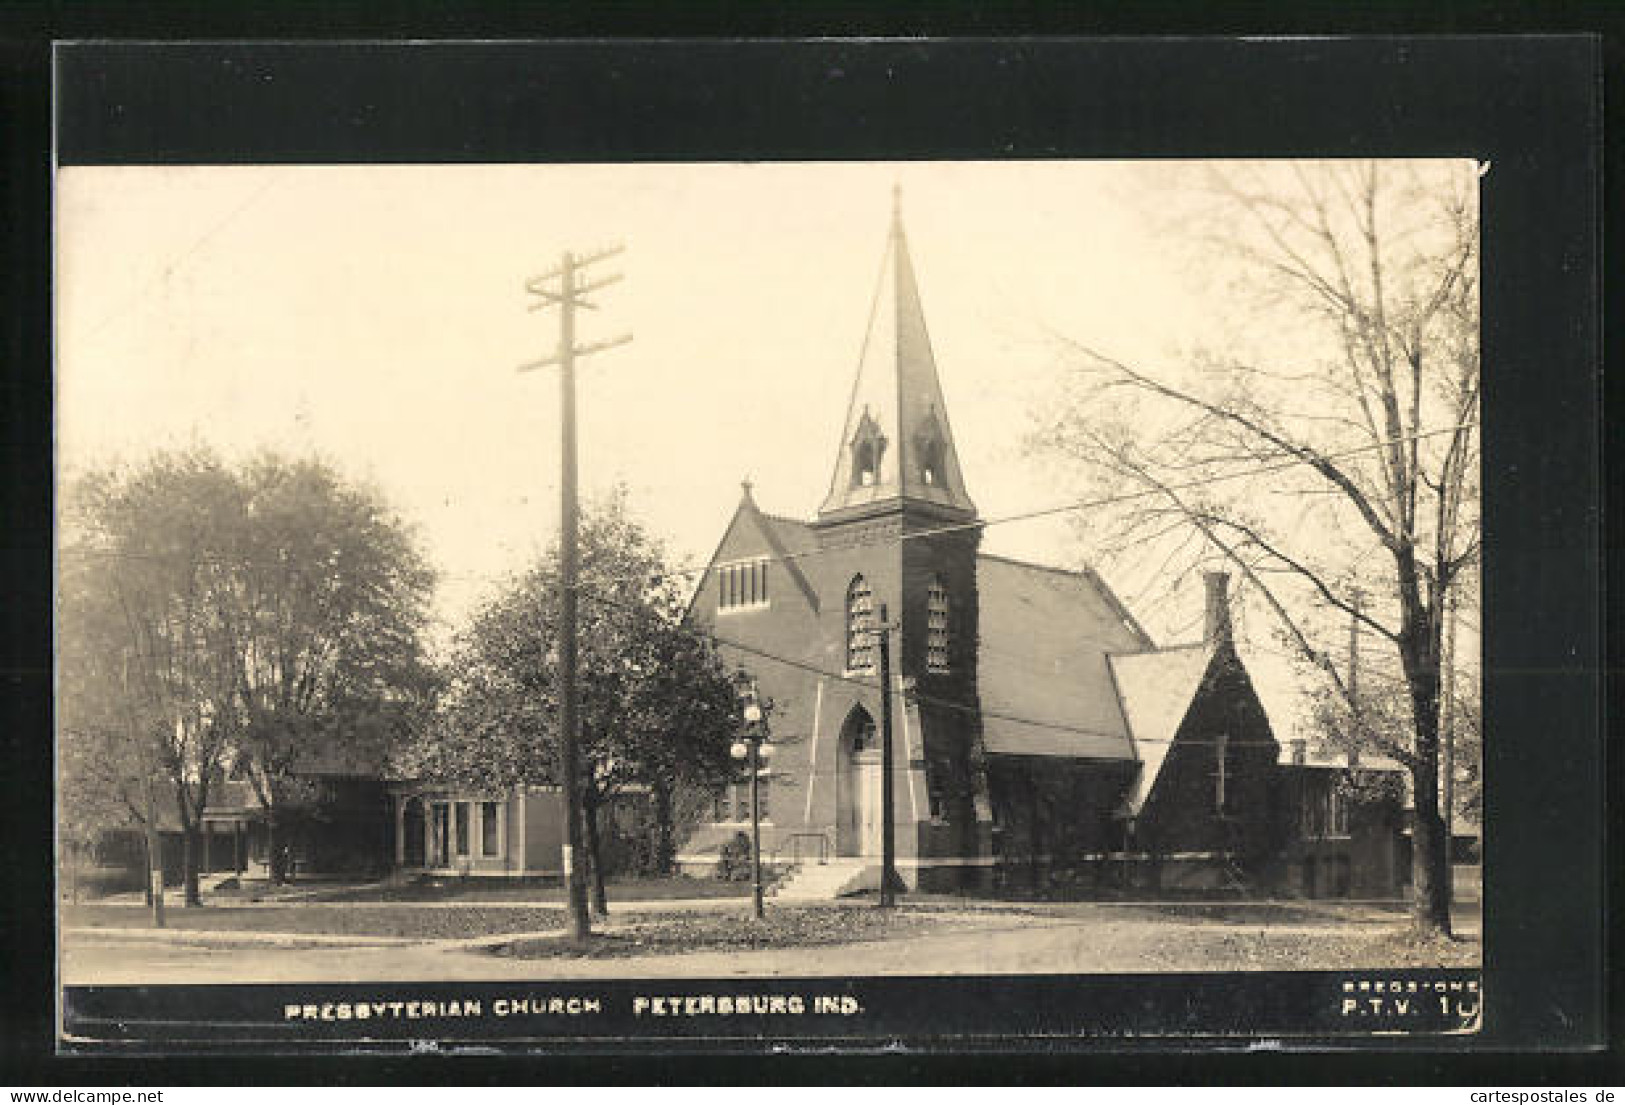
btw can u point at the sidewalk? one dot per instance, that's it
(233, 936)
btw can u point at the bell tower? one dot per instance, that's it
(898, 529)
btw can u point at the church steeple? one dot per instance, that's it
(896, 445)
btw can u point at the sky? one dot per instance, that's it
(378, 315)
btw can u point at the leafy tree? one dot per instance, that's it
(1329, 451)
(329, 602)
(247, 612)
(657, 706)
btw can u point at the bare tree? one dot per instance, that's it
(1329, 453)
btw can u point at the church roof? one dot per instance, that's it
(896, 414)
(1043, 639)
(796, 536)
(1156, 689)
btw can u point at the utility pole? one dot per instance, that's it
(888, 828)
(571, 293)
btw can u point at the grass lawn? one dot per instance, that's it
(1263, 949)
(544, 893)
(671, 934)
(332, 920)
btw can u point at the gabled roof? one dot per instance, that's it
(794, 535)
(1156, 689)
(1043, 639)
(896, 404)
(788, 541)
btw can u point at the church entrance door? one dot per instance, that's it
(858, 827)
(866, 800)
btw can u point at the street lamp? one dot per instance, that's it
(754, 747)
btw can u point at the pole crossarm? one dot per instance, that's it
(579, 351)
(572, 263)
(613, 278)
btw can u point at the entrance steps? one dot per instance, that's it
(834, 878)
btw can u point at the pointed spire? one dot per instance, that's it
(896, 443)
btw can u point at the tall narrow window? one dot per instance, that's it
(462, 828)
(490, 837)
(1337, 811)
(1221, 774)
(860, 626)
(937, 634)
(742, 585)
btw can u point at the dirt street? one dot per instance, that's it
(1083, 938)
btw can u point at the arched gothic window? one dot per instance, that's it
(860, 626)
(858, 731)
(938, 636)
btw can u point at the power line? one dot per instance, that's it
(1091, 504)
(979, 524)
(917, 695)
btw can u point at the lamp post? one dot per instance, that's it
(754, 748)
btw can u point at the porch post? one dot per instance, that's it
(400, 831)
(237, 845)
(208, 839)
(519, 835)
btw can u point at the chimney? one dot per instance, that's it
(1216, 626)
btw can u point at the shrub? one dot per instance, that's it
(734, 863)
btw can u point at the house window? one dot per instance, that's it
(742, 585)
(490, 843)
(733, 804)
(1325, 811)
(936, 627)
(1223, 781)
(860, 626)
(1337, 811)
(462, 828)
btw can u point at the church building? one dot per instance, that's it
(1039, 731)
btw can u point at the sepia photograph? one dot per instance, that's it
(710, 571)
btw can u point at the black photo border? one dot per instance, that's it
(1529, 106)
